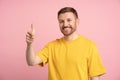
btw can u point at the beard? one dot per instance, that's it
(68, 30)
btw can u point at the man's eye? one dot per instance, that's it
(69, 20)
(60, 21)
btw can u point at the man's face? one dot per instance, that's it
(68, 23)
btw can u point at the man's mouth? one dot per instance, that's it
(67, 28)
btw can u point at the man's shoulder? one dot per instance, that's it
(55, 41)
(86, 40)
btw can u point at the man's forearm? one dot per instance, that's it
(95, 78)
(30, 55)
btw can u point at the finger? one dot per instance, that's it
(29, 39)
(29, 33)
(32, 29)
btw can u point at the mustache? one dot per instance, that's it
(66, 27)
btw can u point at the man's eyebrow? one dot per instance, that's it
(60, 19)
(68, 18)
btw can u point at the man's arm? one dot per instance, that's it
(31, 58)
(95, 78)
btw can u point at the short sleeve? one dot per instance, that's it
(95, 65)
(43, 54)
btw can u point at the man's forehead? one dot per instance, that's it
(66, 15)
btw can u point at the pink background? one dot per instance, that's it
(99, 21)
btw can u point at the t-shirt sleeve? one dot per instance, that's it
(43, 54)
(95, 65)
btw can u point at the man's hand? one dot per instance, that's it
(30, 35)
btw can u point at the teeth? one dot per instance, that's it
(66, 28)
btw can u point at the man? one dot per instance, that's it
(72, 57)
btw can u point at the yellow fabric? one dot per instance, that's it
(72, 60)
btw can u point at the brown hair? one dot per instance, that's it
(68, 9)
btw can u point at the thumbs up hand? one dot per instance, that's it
(30, 35)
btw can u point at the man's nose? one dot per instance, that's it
(65, 23)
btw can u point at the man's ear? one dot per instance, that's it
(78, 21)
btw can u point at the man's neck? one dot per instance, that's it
(71, 37)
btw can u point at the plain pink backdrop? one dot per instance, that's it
(99, 21)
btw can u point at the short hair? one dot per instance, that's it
(68, 9)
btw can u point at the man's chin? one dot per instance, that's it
(67, 34)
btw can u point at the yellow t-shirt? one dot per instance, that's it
(72, 60)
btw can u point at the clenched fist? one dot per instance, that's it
(30, 35)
